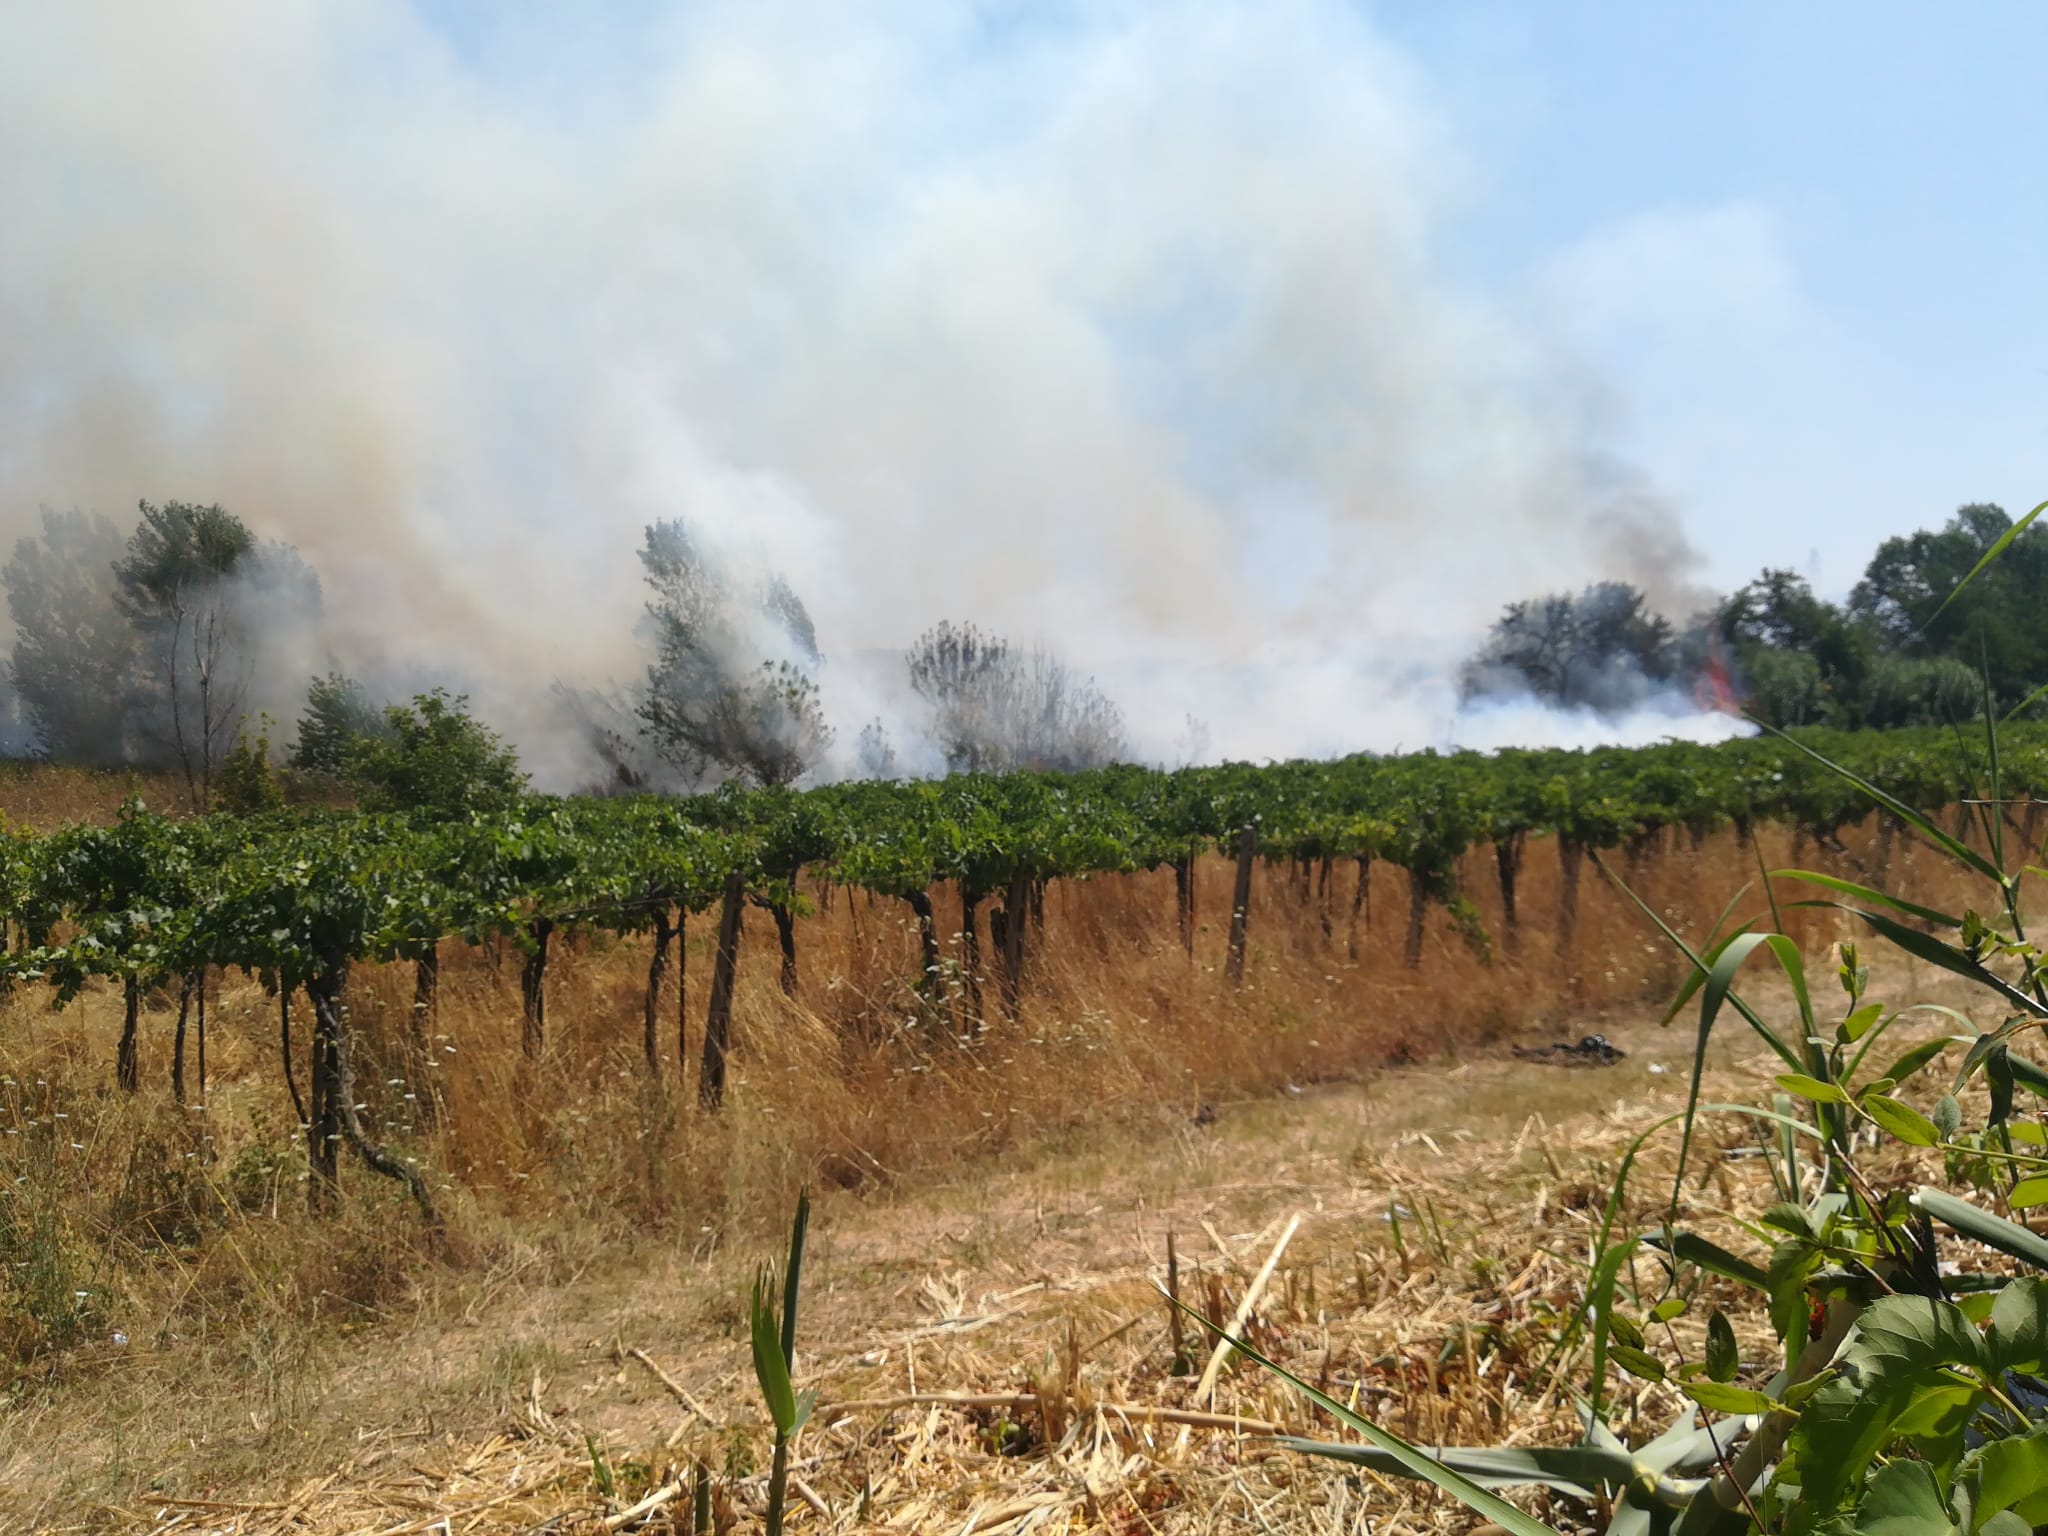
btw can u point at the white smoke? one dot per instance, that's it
(1117, 327)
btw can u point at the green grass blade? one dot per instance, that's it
(1704, 968)
(793, 1277)
(1717, 941)
(1926, 947)
(1999, 547)
(1691, 1248)
(2024, 705)
(2008, 1237)
(1601, 1294)
(771, 1371)
(1961, 852)
(1718, 990)
(1866, 893)
(1581, 1471)
(1412, 1458)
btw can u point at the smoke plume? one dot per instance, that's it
(1122, 327)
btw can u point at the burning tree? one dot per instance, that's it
(995, 707)
(732, 690)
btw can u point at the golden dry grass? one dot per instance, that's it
(45, 796)
(588, 1208)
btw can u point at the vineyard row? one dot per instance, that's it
(295, 898)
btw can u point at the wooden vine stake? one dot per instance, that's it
(1240, 904)
(718, 1014)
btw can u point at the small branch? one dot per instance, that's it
(810, 1496)
(1021, 1401)
(1206, 1387)
(675, 1387)
(647, 1506)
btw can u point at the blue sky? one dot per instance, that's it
(1895, 160)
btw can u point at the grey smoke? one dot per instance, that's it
(1121, 329)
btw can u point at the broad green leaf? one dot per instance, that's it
(2010, 1477)
(1718, 1397)
(1857, 1024)
(1723, 1358)
(1902, 1120)
(1637, 1363)
(1935, 1418)
(1792, 1262)
(1993, 1231)
(2028, 1193)
(1691, 1248)
(1799, 1391)
(1900, 1342)
(1902, 1499)
(1912, 1061)
(2018, 1336)
(1788, 1218)
(1811, 1089)
(1976, 1305)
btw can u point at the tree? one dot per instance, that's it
(74, 650)
(875, 755)
(732, 690)
(1993, 626)
(994, 707)
(606, 722)
(248, 787)
(1602, 649)
(436, 757)
(175, 583)
(338, 713)
(1804, 660)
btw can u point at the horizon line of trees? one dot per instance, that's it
(175, 647)
(1890, 655)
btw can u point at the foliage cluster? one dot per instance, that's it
(1897, 652)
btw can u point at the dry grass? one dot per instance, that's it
(45, 796)
(1027, 1291)
(1039, 1167)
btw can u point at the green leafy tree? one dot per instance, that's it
(1995, 624)
(1778, 616)
(436, 757)
(74, 650)
(248, 784)
(338, 713)
(175, 583)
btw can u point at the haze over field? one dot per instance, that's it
(1159, 332)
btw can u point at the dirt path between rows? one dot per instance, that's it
(1442, 1212)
